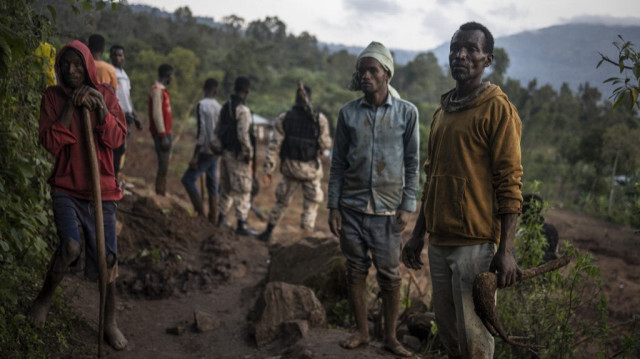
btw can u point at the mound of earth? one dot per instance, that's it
(173, 264)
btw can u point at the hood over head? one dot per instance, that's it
(87, 58)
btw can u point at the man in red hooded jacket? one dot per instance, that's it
(61, 134)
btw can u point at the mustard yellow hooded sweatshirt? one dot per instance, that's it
(473, 167)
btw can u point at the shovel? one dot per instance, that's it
(484, 292)
(99, 223)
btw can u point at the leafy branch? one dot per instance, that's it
(628, 60)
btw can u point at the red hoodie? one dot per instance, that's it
(71, 173)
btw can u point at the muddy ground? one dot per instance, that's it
(172, 264)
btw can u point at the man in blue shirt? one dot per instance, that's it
(372, 188)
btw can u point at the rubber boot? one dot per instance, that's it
(390, 311)
(161, 184)
(357, 291)
(196, 200)
(112, 333)
(244, 230)
(213, 209)
(40, 308)
(266, 235)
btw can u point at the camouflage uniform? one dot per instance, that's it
(235, 171)
(296, 174)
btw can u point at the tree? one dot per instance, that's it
(629, 83)
(500, 65)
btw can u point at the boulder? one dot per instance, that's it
(287, 304)
(316, 263)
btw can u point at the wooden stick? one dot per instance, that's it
(99, 222)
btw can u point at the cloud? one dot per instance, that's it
(605, 20)
(439, 25)
(447, 2)
(509, 11)
(368, 7)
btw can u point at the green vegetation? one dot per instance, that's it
(585, 154)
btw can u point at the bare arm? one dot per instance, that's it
(413, 248)
(504, 263)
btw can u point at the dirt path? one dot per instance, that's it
(173, 264)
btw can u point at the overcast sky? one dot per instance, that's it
(409, 24)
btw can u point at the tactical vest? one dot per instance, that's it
(301, 132)
(227, 128)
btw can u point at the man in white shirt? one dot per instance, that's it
(123, 92)
(203, 159)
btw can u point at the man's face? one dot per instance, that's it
(72, 69)
(117, 58)
(372, 76)
(467, 58)
(168, 79)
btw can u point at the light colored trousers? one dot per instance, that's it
(453, 270)
(312, 197)
(235, 185)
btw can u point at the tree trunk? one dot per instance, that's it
(613, 183)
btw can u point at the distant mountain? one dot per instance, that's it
(563, 53)
(553, 55)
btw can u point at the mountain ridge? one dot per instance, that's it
(553, 55)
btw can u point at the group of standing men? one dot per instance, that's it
(470, 200)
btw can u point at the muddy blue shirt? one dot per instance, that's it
(374, 168)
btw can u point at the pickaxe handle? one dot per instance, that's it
(99, 221)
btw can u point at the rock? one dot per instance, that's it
(316, 263)
(419, 324)
(204, 321)
(412, 342)
(178, 330)
(298, 352)
(285, 303)
(293, 331)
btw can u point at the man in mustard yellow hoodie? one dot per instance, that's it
(472, 195)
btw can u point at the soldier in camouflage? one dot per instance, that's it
(235, 134)
(298, 139)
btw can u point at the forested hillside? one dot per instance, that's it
(568, 136)
(577, 152)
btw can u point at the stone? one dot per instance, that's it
(412, 342)
(178, 330)
(419, 324)
(204, 321)
(317, 263)
(291, 332)
(285, 303)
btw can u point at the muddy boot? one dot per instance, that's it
(390, 310)
(161, 184)
(213, 209)
(357, 291)
(40, 308)
(244, 230)
(196, 200)
(112, 334)
(266, 235)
